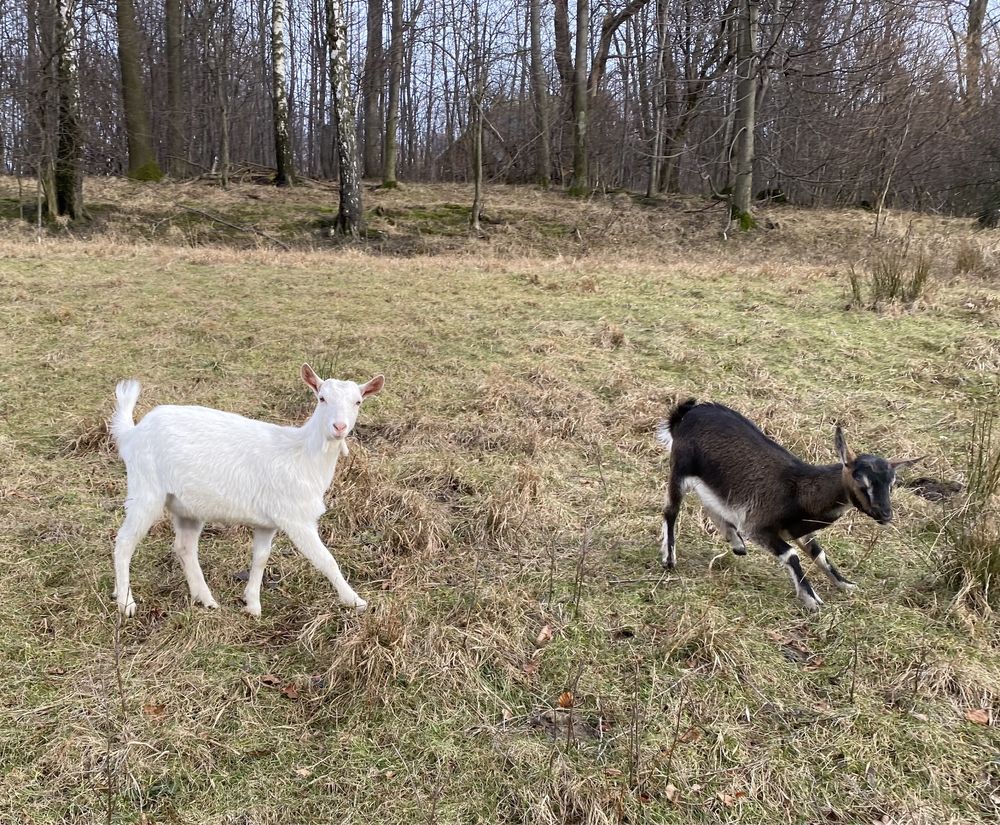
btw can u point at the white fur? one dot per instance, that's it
(663, 435)
(710, 501)
(207, 465)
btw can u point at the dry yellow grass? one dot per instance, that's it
(500, 513)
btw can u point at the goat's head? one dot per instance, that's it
(338, 402)
(868, 479)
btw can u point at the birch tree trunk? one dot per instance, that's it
(69, 149)
(176, 154)
(540, 84)
(746, 98)
(284, 174)
(580, 184)
(371, 89)
(350, 219)
(392, 100)
(142, 163)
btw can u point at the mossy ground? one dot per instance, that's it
(506, 481)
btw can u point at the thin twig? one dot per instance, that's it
(252, 229)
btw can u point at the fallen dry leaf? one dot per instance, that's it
(692, 734)
(305, 773)
(978, 716)
(566, 699)
(291, 691)
(507, 714)
(544, 636)
(154, 710)
(530, 667)
(671, 793)
(270, 680)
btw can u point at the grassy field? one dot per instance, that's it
(499, 511)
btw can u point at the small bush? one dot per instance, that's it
(969, 258)
(895, 275)
(971, 549)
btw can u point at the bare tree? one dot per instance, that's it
(68, 181)
(350, 218)
(540, 88)
(746, 122)
(284, 174)
(580, 184)
(142, 163)
(176, 154)
(371, 88)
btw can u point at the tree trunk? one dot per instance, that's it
(609, 27)
(142, 163)
(746, 97)
(284, 174)
(176, 154)
(68, 178)
(350, 219)
(540, 83)
(974, 50)
(371, 89)
(392, 101)
(580, 184)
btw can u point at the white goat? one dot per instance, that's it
(207, 465)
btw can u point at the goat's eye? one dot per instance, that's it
(322, 400)
(357, 403)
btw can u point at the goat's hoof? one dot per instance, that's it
(252, 609)
(360, 605)
(127, 610)
(740, 551)
(207, 601)
(668, 564)
(811, 603)
(847, 587)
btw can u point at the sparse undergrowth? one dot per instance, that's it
(525, 659)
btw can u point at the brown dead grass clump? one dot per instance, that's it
(367, 499)
(90, 435)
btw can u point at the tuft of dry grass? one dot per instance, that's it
(971, 533)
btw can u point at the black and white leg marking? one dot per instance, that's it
(819, 557)
(672, 506)
(789, 557)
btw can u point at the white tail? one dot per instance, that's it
(127, 393)
(663, 435)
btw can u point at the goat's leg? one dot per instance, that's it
(306, 539)
(789, 557)
(262, 538)
(728, 531)
(819, 557)
(140, 515)
(671, 507)
(186, 533)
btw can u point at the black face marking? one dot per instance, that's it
(873, 479)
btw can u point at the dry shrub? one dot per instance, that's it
(969, 257)
(611, 336)
(90, 435)
(971, 549)
(896, 274)
(557, 407)
(406, 521)
(370, 654)
(501, 515)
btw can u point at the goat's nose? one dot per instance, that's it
(339, 429)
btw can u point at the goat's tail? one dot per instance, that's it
(664, 432)
(122, 422)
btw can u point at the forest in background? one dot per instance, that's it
(863, 102)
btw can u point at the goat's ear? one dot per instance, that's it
(313, 381)
(905, 462)
(373, 387)
(846, 454)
